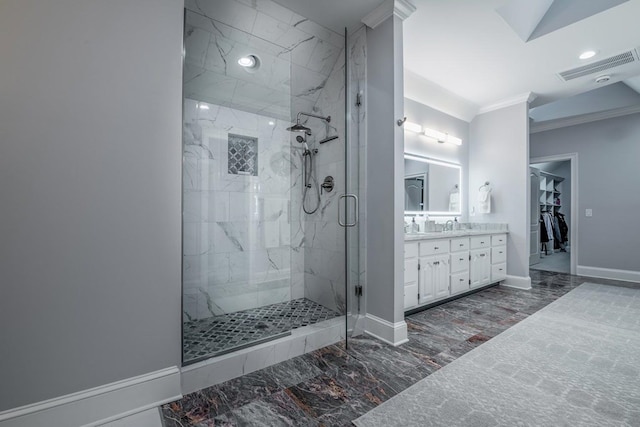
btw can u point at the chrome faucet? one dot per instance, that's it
(448, 226)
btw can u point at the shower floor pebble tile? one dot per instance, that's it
(332, 386)
(220, 334)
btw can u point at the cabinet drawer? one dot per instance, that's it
(411, 250)
(459, 262)
(434, 247)
(461, 244)
(499, 240)
(498, 272)
(498, 255)
(479, 242)
(459, 282)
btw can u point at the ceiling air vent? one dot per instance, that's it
(602, 65)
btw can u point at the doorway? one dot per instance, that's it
(553, 215)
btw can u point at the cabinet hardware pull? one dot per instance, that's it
(461, 259)
(482, 243)
(462, 280)
(482, 254)
(500, 252)
(461, 244)
(435, 248)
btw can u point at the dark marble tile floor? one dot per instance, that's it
(332, 386)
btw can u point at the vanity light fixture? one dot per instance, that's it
(587, 54)
(441, 137)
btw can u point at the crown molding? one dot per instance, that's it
(400, 8)
(582, 119)
(518, 99)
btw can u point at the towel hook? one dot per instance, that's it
(486, 184)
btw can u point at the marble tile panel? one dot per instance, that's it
(236, 236)
(209, 86)
(196, 43)
(277, 409)
(233, 13)
(297, 285)
(319, 395)
(314, 29)
(293, 371)
(280, 33)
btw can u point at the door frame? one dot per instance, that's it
(534, 223)
(573, 226)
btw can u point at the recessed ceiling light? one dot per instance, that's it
(203, 106)
(248, 61)
(272, 123)
(603, 79)
(587, 54)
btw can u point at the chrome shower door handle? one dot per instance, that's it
(348, 224)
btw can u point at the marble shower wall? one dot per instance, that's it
(245, 237)
(237, 242)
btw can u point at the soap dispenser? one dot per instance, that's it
(456, 224)
(414, 225)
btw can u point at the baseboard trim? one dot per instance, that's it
(609, 273)
(99, 405)
(517, 282)
(394, 334)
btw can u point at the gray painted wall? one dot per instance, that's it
(608, 182)
(385, 167)
(498, 153)
(431, 118)
(90, 183)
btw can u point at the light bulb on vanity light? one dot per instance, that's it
(441, 137)
(413, 127)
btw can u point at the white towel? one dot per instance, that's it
(484, 199)
(453, 202)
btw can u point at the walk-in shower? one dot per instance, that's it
(263, 253)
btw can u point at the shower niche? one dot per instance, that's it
(263, 254)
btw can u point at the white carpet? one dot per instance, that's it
(576, 362)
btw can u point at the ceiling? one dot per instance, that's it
(467, 56)
(478, 50)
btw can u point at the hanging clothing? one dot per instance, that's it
(556, 234)
(544, 236)
(564, 228)
(548, 222)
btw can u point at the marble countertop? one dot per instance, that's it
(408, 237)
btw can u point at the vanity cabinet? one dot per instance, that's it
(435, 269)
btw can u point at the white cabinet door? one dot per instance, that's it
(434, 278)
(459, 282)
(480, 267)
(410, 282)
(442, 288)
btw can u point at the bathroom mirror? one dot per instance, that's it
(431, 186)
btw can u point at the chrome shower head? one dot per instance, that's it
(299, 128)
